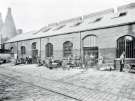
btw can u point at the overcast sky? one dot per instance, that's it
(34, 14)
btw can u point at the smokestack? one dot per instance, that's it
(19, 31)
(9, 10)
(1, 25)
(1, 22)
(9, 29)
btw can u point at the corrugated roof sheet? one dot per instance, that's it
(126, 14)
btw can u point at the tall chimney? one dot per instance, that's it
(1, 25)
(9, 29)
(1, 21)
(9, 10)
(19, 31)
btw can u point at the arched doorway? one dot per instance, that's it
(90, 50)
(12, 51)
(126, 44)
(49, 50)
(34, 52)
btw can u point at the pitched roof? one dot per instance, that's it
(24, 36)
(96, 20)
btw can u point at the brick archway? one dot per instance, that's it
(126, 44)
(90, 49)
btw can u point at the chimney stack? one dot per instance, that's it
(9, 29)
(9, 10)
(19, 31)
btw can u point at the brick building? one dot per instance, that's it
(107, 33)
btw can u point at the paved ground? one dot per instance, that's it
(75, 84)
(14, 90)
(42, 71)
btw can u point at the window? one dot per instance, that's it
(60, 27)
(34, 52)
(49, 50)
(34, 45)
(12, 49)
(2, 46)
(67, 48)
(89, 41)
(126, 44)
(23, 51)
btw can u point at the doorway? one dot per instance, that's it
(90, 55)
(126, 44)
(90, 50)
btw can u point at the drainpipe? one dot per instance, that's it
(81, 49)
(125, 46)
(17, 48)
(40, 47)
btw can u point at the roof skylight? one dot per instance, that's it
(96, 20)
(46, 30)
(120, 15)
(60, 27)
(76, 24)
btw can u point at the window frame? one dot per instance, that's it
(49, 49)
(67, 48)
(34, 45)
(23, 50)
(11, 49)
(125, 46)
(92, 37)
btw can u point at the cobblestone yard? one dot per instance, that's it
(74, 84)
(12, 90)
(116, 83)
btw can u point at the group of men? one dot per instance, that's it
(101, 60)
(27, 60)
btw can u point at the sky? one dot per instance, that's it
(32, 15)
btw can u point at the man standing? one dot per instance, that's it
(100, 59)
(122, 58)
(86, 60)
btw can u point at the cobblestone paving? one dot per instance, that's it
(13, 90)
(119, 83)
(90, 85)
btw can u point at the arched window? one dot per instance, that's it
(34, 52)
(67, 48)
(23, 50)
(12, 50)
(34, 45)
(89, 41)
(126, 44)
(49, 50)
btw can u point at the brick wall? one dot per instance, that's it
(106, 41)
